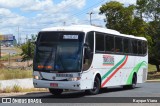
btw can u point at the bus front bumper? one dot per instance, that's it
(73, 85)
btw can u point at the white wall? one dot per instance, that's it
(24, 83)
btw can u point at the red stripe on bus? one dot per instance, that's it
(114, 72)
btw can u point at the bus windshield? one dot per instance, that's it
(59, 51)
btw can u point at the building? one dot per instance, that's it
(8, 40)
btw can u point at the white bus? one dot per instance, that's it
(83, 57)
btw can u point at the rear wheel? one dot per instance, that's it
(96, 87)
(133, 85)
(55, 91)
(134, 82)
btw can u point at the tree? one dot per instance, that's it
(143, 19)
(28, 49)
(141, 7)
(153, 10)
(154, 52)
(118, 17)
(153, 13)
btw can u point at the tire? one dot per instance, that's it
(134, 83)
(96, 87)
(55, 91)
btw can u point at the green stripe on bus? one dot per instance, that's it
(121, 61)
(135, 69)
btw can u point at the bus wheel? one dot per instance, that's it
(134, 82)
(55, 91)
(133, 85)
(96, 87)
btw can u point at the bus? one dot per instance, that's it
(88, 58)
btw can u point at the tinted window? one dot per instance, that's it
(144, 47)
(88, 52)
(99, 42)
(140, 50)
(126, 45)
(90, 40)
(109, 43)
(118, 44)
(134, 46)
(59, 50)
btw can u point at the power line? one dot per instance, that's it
(70, 4)
(82, 12)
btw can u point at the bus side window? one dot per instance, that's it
(126, 45)
(88, 51)
(134, 47)
(118, 44)
(144, 47)
(140, 50)
(100, 42)
(109, 44)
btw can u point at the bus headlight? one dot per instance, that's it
(36, 77)
(74, 79)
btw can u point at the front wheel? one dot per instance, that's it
(55, 91)
(96, 87)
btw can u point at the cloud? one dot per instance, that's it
(39, 5)
(49, 14)
(72, 3)
(15, 3)
(126, 2)
(8, 18)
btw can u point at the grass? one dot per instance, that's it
(15, 74)
(151, 68)
(6, 57)
(152, 73)
(17, 88)
(7, 90)
(18, 49)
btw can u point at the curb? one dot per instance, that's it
(153, 81)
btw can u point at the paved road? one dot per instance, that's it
(11, 51)
(149, 89)
(146, 90)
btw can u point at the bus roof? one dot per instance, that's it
(87, 28)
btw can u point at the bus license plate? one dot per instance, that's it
(53, 85)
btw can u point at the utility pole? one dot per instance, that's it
(0, 48)
(90, 17)
(64, 23)
(18, 35)
(1, 38)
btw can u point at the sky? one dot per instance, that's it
(26, 17)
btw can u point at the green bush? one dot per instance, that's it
(7, 90)
(16, 88)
